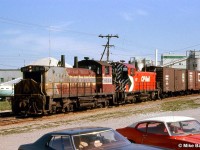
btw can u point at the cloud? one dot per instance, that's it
(33, 46)
(141, 12)
(61, 26)
(130, 16)
(127, 16)
(11, 32)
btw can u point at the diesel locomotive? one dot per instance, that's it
(89, 84)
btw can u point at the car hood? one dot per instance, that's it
(137, 146)
(192, 138)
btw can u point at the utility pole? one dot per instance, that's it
(107, 44)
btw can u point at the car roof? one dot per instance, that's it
(80, 130)
(167, 119)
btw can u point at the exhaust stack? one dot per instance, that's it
(75, 62)
(62, 60)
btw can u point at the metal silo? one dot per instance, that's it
(193, 62)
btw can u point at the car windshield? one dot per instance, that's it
(98, 140)
(184, 127)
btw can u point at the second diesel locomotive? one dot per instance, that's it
(90, 84)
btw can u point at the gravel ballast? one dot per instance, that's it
(12, 136)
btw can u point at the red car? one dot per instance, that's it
(174, 132)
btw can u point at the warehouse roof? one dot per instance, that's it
(48, 61)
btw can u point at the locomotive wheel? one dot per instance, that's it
(133, 100)
(69, 108)
(100, 105)
(153, 96)
(53, 109)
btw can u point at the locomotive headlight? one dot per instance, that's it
(30, 69)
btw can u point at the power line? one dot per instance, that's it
(107, 44)
(46, 27)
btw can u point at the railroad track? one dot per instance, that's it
(7, 118)
(6, 114)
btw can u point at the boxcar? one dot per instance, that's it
(180, 80)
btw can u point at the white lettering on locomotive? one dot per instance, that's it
(145, 79)
(107, 80)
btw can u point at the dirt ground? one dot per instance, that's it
(12, 136)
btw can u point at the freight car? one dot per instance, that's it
(173, 82)
(90, 84)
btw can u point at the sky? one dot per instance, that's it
(34, 29)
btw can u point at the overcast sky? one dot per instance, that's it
(34, 29)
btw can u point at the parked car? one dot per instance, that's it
(174, 132)
(85, 138)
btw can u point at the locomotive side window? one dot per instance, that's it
(107, 70)
(132, 72)
(125, 72)
(98, 70)
(93, 68)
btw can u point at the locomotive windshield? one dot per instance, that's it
(93, 68)
(36, 76)
(33, 72)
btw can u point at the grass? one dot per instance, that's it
(5, 105)
(179, 105)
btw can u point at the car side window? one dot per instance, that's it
(142, 127)
(60, 143)
(157, 128)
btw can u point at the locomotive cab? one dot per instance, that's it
(33, 72)
(103, 72)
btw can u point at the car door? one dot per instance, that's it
(156, 134)
(139, 131)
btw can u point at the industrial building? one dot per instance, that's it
(174, 60)
(193, 61)
(9, 74)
